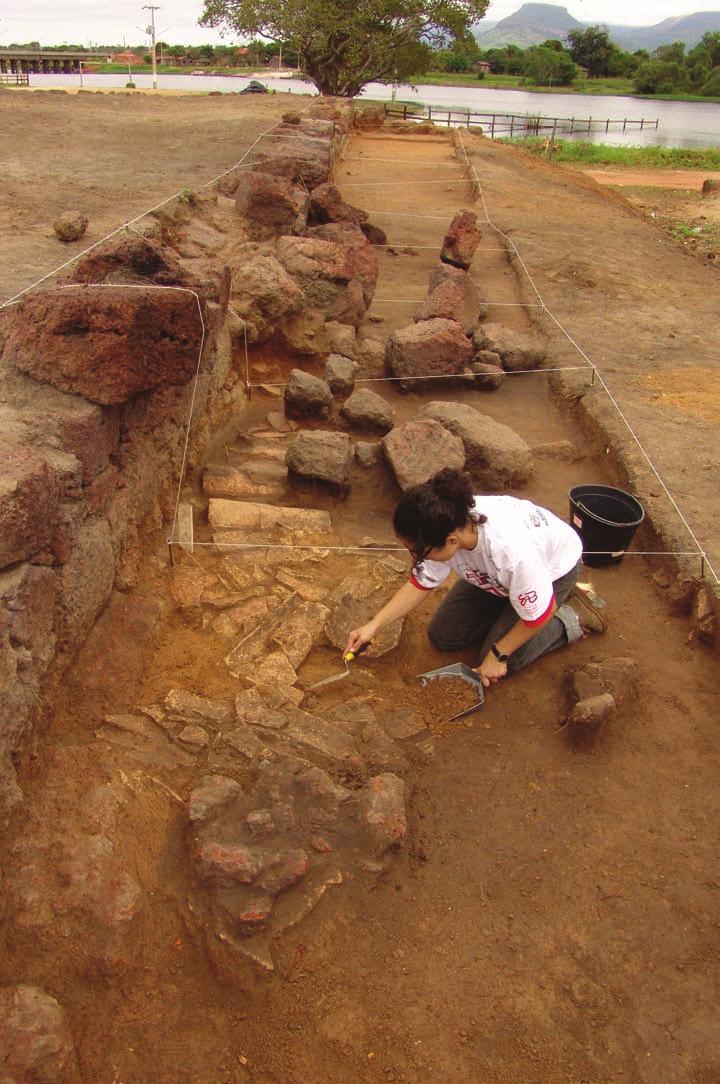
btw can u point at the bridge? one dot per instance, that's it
(39, 61)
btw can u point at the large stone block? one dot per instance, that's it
(452, 295)
(90, 432)
(364, 259)
(334, 277)
(495, 456)
(262, 291)
(461, 240)
(367, 410)
(132, 256)
(433, 347)
(322, 457)
(517, 349)
(327, 205)
(306, 396)
(418, 449)
(106, 343)
(86, 580)
(28, 503)
(301, 156)
(270, 205)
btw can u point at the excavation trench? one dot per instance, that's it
(537, 916)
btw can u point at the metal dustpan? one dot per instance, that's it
(458, 670)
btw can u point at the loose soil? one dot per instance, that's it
(553, 917)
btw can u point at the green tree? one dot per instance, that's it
(346, 44)
(711, 88)
(546, 67)
(697, 71)
(506, 61)
(659, 77)
(621, 63)
(674, 52)
(591, 49)
(710, 44)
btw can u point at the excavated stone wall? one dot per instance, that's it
(97, 378)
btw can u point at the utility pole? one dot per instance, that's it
(152, 8)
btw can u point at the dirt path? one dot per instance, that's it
(653, 178)
(553, 916)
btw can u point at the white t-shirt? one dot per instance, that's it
(520, 550)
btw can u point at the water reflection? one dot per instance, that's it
(682, 124)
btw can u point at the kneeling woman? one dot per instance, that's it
(517, 563)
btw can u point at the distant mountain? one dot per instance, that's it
(529, 25)
(533, 23)
(687, 28)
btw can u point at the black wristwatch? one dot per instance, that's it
(498, 654)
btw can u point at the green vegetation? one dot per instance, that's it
(345, 46)
(341, 48)
(603, 154)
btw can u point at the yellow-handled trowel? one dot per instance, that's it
(347, 658)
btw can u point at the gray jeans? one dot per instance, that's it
(470, 616)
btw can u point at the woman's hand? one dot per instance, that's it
(360, 636)
(491, 670)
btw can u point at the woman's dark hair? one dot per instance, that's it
(428, 513)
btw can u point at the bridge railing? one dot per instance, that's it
(15, 79)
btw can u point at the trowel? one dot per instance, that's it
(347, 658)
(458, 670)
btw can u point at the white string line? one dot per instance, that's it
(370, 550)
(396, 161)
(406, 214)
(700, 551)
(398, 184)
(444, 376)
(495, 304)
(119, 229)
(435, 248)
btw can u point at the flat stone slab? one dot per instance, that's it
(495, 455)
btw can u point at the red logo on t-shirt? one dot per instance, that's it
(527, 598)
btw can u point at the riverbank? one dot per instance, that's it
(566, 151)
(616, 86)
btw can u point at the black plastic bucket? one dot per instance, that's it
(606, 520)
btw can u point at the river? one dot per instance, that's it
(682, 124)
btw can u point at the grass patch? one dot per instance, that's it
(619, 86)
(603, 154)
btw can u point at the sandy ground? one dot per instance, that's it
(653, 178)
(553, 918)
(112, 156)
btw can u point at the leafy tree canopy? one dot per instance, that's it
(592, 49)
(345, 44)
(548, 67)
(659, 77)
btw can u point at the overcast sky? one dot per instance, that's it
(86, 22)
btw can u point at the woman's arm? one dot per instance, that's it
(490, 668)
(403, 601)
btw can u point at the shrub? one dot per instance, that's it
(658, 77)
(711, 87)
